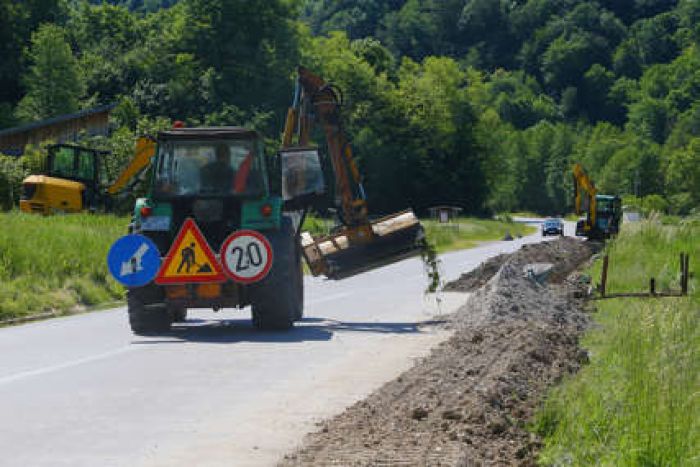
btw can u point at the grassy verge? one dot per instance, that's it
(467, 232)
(464, 232)
(637, 403)
(55, 263)
(58, 263)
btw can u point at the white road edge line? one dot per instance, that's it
(63, 366)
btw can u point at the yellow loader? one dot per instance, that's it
(75, 180)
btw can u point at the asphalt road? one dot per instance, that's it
(83, 391)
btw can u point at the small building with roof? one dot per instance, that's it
(444, 214)
(60, 129)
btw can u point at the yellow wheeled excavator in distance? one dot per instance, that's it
(358, 244)
(75, 179)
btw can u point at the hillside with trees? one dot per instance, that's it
(479, 103)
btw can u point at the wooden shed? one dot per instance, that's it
(60, 129)
(444, 214)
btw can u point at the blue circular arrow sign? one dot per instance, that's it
(134, 260)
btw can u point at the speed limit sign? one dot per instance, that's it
(246, 256)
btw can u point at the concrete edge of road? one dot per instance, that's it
(79, 310)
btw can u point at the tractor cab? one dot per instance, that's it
(218, 177)
(218, 180)
(72, 182)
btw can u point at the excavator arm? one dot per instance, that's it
(359, 244)
(584, 194)
(145, 150)
(316, 101)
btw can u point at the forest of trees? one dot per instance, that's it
(479, 103)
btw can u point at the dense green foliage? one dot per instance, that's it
(636, 403)
(54, 83)
(479, 103)
(59, 266)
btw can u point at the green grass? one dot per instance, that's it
(637, 403)
(56, 263)
(468, 232)
(317, 225)
(464, 232)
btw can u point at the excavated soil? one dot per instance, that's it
(468, 402)
(565, 253)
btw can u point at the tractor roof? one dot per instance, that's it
(208, 133)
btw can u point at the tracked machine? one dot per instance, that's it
(603, 213)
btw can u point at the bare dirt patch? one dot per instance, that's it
(468, 402)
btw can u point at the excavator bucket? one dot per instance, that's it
(353, 250)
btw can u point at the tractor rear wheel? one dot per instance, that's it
(147, 312)
(278, 300)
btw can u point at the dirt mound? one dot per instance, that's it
(476, 278)
(566, 253)
(468, 402)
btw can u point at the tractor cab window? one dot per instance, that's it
(216, 168)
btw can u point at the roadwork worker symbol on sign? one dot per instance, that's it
(190, 259)
(133, 260)
(246, 256)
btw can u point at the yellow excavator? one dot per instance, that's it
(75, 179)
(603, 212)
(358, 244)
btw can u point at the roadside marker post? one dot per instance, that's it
(190, 259)
(133, 260)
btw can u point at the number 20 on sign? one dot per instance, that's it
(246, 256)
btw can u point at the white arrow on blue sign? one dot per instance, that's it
(134, 260)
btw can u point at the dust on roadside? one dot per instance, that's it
(468, 402)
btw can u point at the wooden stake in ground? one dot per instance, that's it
(604, 276)
(686, 274)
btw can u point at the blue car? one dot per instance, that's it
(552, 227)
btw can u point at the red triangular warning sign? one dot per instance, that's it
(190, 259)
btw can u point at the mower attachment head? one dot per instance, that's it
(353, 250)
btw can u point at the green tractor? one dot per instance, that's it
(221, 180)
(212, 190)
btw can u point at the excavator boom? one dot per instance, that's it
(315, 97)
(584, 196)
(145, 150)
(360, 244)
